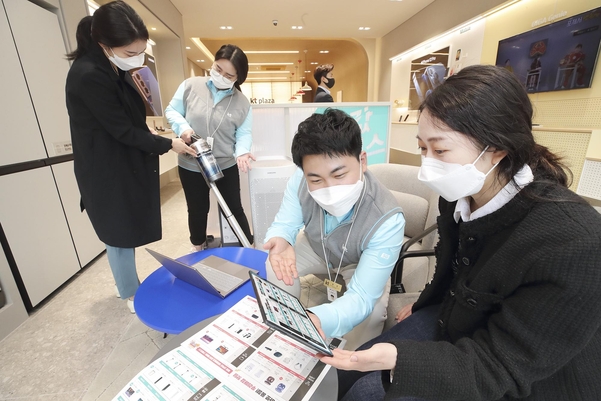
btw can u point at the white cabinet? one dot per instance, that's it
(21, 139)
(87, 244)
(41, 51)
(37, 232)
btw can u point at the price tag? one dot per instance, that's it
(210, 142)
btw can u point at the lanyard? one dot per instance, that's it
(323, 247)
(209, 115)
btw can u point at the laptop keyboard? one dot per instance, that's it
(221, 281)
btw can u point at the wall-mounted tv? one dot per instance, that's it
(558, 56)
(148, 86)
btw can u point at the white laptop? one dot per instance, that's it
(212, 274)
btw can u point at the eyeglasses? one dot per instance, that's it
(223, 73)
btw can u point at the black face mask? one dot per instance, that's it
(330, 83)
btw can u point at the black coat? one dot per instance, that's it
(116, 157)
(321, 96)
(520, 314)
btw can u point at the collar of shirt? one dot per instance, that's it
(331, 222)
(463, 210)
(325, 89)
(218, 94)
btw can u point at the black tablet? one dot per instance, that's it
(284, 312)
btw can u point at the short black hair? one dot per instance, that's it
(322, 71)
(333, 133)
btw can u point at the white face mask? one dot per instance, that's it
(338, 200)
(220, 81)
(127, 63)
(451, 180)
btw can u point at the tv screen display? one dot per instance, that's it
(558, 56)
(148, 86)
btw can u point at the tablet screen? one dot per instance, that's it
(284, 312)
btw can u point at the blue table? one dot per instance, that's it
(170, 305)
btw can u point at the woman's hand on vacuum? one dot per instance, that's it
(179, 146)
(187, 135)
(243, 161)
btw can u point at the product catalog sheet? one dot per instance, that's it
(234, 358)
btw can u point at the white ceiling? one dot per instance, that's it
(324, 23)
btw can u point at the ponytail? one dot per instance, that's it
(547, 166)
(84, 38)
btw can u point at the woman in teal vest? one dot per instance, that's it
(215, 109)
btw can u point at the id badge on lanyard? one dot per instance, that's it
(333, 288)
(210, 142)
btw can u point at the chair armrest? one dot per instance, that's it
(397, 273)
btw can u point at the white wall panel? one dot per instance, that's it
(87, 244)
(20, 140)
(42, 51)
(13, 313)
(36, 229)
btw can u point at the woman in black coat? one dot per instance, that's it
(513, 311)
(116, 156)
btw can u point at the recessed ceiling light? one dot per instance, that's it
(314, 62)
(225, 27)
(265, 78)
(198, 61)
(324, 51)
(306, 72)
(269, 63)
(271, 51)
(364, 28)
(202, 61)
(187, 47)
(297, 27)
(154, 29)
(269, 72)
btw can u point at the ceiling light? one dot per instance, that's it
(202, 61)
(271, 51)
(225, 27)
(154, 29)
(265, 78)
(297, 27)
(187, 47)
(269, 63)
(324, 51)
(306, 72)
(269, 72)
(198, 61)
(364, 28)
(313, 62)
(203, 49)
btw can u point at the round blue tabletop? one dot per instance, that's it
(170, 305)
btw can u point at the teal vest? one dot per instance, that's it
(377, 206)
(199, 107)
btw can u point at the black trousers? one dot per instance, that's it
(196, 191)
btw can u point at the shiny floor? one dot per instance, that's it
(83, 343)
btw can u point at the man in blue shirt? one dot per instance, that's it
(352, 224)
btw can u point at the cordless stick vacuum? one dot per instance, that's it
(212, 172)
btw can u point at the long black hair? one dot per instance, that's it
(237, 57)
(490, 106)
(114, 24)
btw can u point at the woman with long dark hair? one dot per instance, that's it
(514, 309)
(116, 156)
(215, 109)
